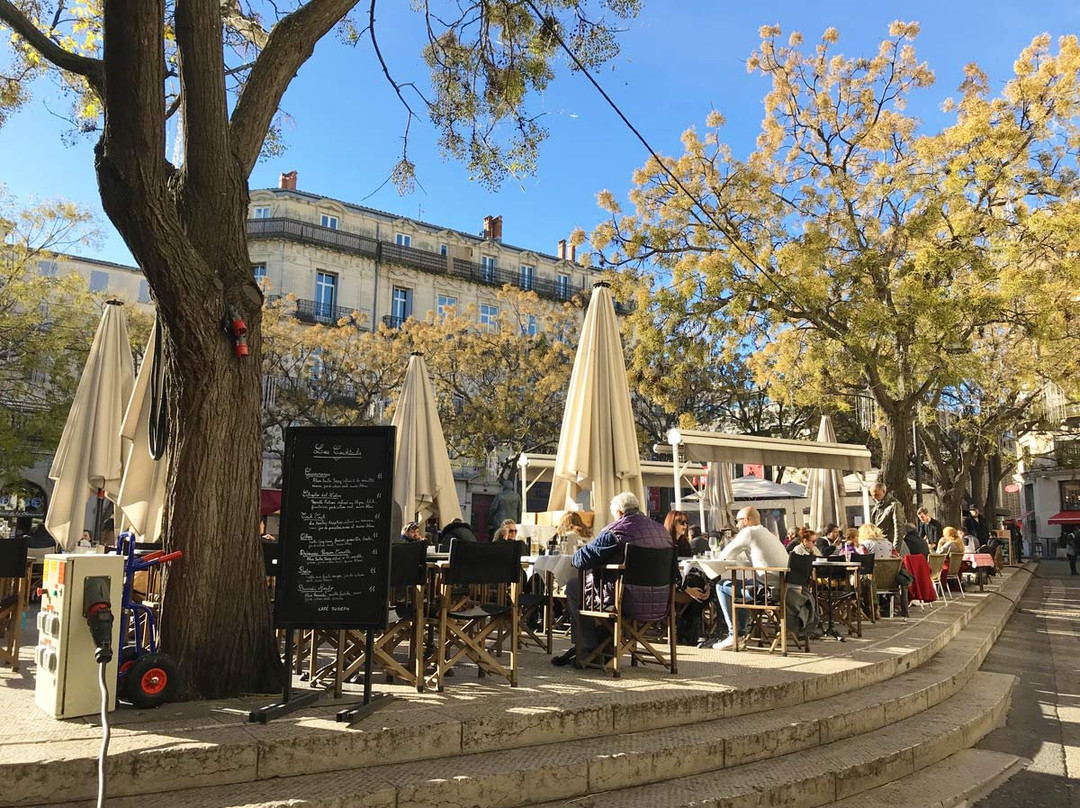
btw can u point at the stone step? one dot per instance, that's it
(605, 773)
(958, 781)
(738, 725)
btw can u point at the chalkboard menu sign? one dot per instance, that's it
(334, 566)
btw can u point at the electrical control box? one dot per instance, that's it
(67, 672)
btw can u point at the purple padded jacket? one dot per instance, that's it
(639, 602)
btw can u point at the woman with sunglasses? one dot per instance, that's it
(693, 593)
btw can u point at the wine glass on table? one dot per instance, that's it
(714, 545)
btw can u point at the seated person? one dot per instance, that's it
(455, 529)
(573, 530)
(826, 542)
(807, 543)
(699, 542)
(677, 524)
(508, 531)
(755, 546)
(915, 541)
(410, 533)
(873, 541)
(950, 541)
(848, 542)
(631, 526)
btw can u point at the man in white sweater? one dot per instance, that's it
(755, 546)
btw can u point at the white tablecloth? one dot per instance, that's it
(712, 568)
(559, 566)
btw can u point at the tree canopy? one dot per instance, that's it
(215, 71)
(47, 321)
(500, 386)
(853, 252)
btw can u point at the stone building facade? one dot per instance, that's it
(337, 258)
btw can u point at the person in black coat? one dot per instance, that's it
(929, 528)
(975, 525)
(456, 529)
(915, 542)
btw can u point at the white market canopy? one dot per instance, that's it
(654, 473)
(751, 486)
(718, 447)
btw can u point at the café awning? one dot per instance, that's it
(654, 473)
(719, 447)
(1065, 518)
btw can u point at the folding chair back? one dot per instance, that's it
(649, 566)
(937, 564)
(271, 554)
(408, 564)
(465, 628)
(799, 569)
(866, 562)
(885, 572)
(642, 567)
(13, 596)
(13, 557)
(485, 562)
(956, 565)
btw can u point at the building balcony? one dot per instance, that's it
(414, 258)
(312, 311)
(308, 233)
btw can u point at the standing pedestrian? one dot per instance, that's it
(929, 527)
(1072, 542)
(887, 514)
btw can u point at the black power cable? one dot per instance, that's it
(158, 425)
(105, 734)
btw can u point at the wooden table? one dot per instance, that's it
(852, 569)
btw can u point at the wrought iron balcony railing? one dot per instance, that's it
(561, 289)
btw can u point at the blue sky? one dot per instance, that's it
(680, 59)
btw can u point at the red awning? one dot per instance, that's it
(270, 501)
(1065, 518)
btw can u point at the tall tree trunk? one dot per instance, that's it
(186, 229)
(216, 618)
(895, 450)
(978, 482)
(952, 502)
(993, 480)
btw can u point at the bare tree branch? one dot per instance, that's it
(90, 69)
(290, 44)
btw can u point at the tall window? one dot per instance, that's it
(1070, 495)
(562, 286)
(259, 271)
(99, 281)
(487, 268)
(528, 328)
(261, 212)
(445, 302)
(325, 296)
(328, 221)
(489, 317)
(47, 268)
(444, 249)
(400, 305)
(403, 240)
(144, 292)
(527, 275)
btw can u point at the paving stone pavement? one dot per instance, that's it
(1041, 645)
(216, 745)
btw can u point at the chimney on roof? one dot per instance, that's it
(496, 228)
(561, 252)
(487, 228)
(287, 182)
(573, 253)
